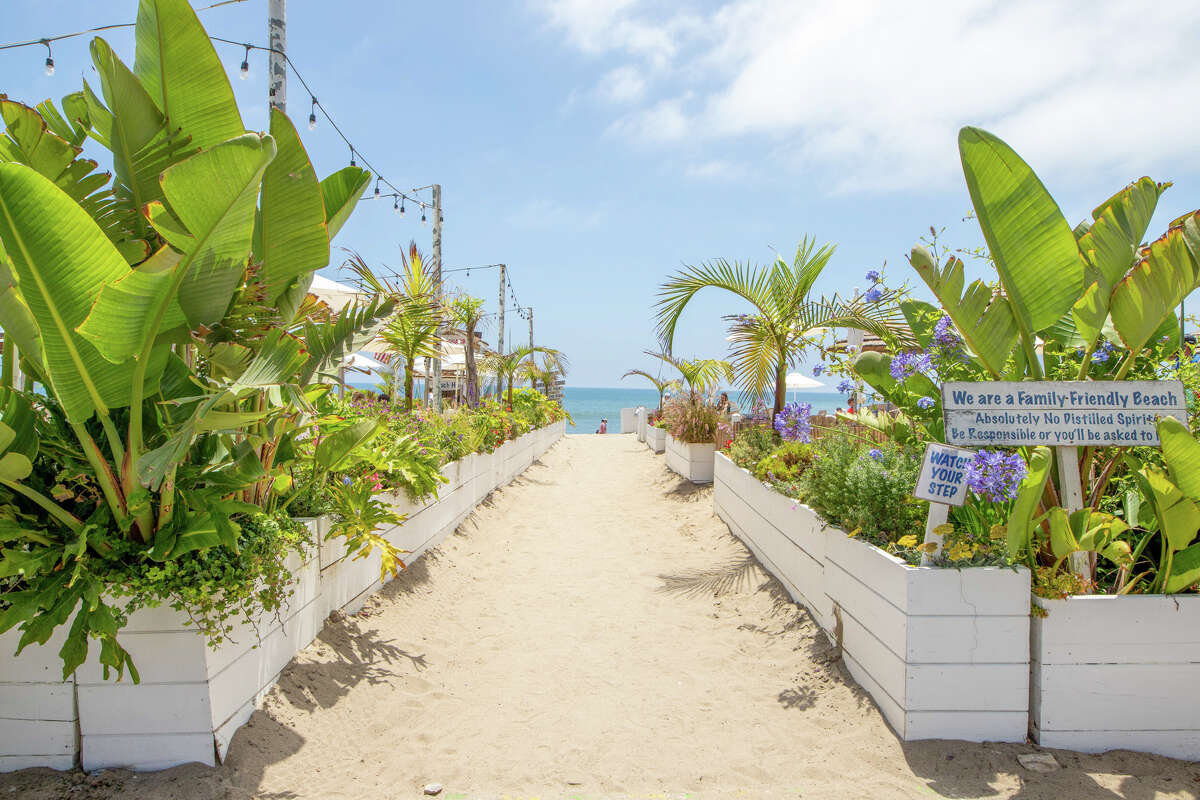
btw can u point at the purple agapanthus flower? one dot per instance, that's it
(874, 294)
(944, 335)
(817, 370)
(846, 386)
(995, 475)
(925, 402)
(1104, 352)
(792, 423)
(873, 276)
(911, 362)
(875, 453)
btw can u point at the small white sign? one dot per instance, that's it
(1060, 413)
(943, 477)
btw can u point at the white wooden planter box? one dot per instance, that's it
(628, 420)
(692, 460)
(641, 423)
(944, 652)
(787, 537)
(656, 438)
(192, 698)
(1118, 672)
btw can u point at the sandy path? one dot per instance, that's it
(594, 631)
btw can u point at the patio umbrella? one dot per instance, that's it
(795, 381)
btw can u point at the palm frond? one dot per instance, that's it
(749, 283)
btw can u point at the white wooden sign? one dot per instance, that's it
(943, 477)
(1060, 413)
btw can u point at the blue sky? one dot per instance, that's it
(596, 145)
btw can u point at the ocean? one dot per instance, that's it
(589, 406)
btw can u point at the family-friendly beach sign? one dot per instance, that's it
(943, 477)
(1060, 413)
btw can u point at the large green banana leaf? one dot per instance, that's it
(290, 239)
(1181, 452)
(62, 259)
(1029, 239)
(15, 318)
(341, 192)
(1020, 521)
(214, 195)
(1153, 289)
(182, 73)
(124, 312)
(983, 317)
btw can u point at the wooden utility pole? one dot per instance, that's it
(437, 277)
(531, 326)
(500, 327)
(277, 40)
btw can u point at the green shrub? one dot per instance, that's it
(865, 487)
(691, 419)
(751, 445)
(786, 463)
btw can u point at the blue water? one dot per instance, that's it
(589, 406)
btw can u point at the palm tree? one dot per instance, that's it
(412, 332)
(700, 374)
(659, 383)
(767, 342)
(466, 313)
(508, 365)
(551, 368)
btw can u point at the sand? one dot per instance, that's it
(594, 631)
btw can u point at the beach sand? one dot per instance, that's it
(594, 631)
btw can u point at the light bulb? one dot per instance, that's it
(377, 187)
(312, 122)
(402, 208)
(245, 70)
(49, 65)
(396, 207)
(422, 217)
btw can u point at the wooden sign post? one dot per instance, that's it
(943, 482)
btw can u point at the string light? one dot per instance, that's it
(245, 68)
(49, 58)
(377, 187)
(312, 115)
(396, 206)
(352, 156)
(402, 205)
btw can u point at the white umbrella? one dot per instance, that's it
(333, 294)
(362, 363)
(795, 380)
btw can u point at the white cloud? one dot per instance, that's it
(715, 169)
(622, 85)
(870, 94)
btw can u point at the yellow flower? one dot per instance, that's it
(999, 532)
(944, 530)
(907, 541)
(959, 551)
(928, 547)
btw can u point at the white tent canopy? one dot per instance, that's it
(795, 380)
(333, 294)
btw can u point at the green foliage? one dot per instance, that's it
(858, 491)
(751, 445)
(359, 514)
(786, 463)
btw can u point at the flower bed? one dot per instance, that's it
(922, 641)
(192, 696)
(1117, 672)
(692, 460)
(656, 438)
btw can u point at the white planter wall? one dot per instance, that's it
(641, 423)
(944, 652)
(787, 537)
(691, 460)
(656, 438)
(628, 420)
(192, 698)
(1116, 672)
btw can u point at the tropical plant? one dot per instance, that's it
(661, 384)
(1091, 302)
(700, 374)
(785, 318)
(412, 332)
(506, 366)
(142, 308)
(691, 419)
(466, 314)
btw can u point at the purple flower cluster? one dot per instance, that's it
(817, 370)
(792, 422)
(995, 475)
(874, 294)
(846, 386)
(1104, 352)
(911, 362)
(875, 453)
(925, 402)
(873, 276)
(944, 335)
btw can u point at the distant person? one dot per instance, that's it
(723, 403)
(603, 426)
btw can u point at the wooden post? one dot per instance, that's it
(500, 327)
(938, 514)
(437, 276)
(277, 40)
(1071, 495)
